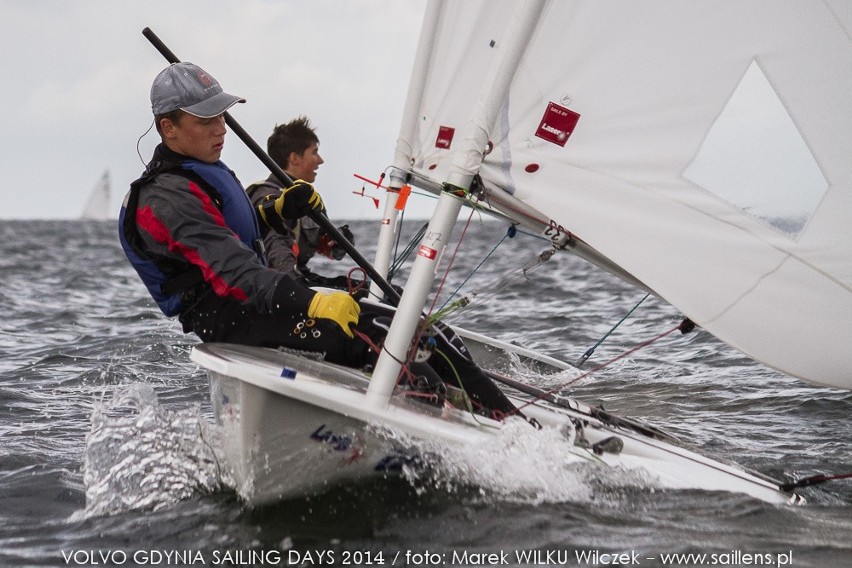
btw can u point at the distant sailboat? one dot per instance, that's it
(98, 203)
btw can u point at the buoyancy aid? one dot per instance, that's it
(168, 279)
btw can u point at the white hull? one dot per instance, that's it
(294, 427)
(288, 437)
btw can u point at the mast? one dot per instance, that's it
(466, 163)
(407, 133)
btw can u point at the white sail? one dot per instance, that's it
(702, 146)
(98, 203)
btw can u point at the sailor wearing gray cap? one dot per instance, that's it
(188, 87)
(192, 234)
(189, 106)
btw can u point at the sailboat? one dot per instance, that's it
(698, 150)
(97, 205)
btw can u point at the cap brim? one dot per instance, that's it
(214, 106)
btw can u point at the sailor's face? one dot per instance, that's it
(199, 138)
(304, 166)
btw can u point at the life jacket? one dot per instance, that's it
(166, 278)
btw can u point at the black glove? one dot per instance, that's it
(344, 229)
(337, 251)
(329, 247)
(314, 279)
(294, 202)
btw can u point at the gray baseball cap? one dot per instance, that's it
(189, 88)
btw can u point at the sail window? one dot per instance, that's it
(755, 158)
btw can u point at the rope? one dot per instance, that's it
(404, 370)
(685, 326)
(591, 349)
(491, 290)
(510, 234)
(354, 285)
(447, 272)
(399, 259)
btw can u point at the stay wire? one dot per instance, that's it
(591, 350)
(493, 289)
(510, 233)
(400, 259)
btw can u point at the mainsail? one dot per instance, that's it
(703, 147)
(98, 203)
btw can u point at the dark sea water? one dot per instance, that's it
(107, 444)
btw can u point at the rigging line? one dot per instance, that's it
(685, 327)
(428, 320)
(510, 233)
(496, 286)
(450, 263)
(399, 225)
(404, 370)
(590, 351)
(412, 244)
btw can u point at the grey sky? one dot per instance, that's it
(76, 80)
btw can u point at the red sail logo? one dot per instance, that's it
(445, 137)
(557, 124)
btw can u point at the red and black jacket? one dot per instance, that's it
(189, 225)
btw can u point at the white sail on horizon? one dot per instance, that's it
(97, 205)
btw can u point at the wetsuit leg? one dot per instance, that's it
(454, 363)
(224, 320)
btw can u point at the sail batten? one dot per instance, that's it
(703, 147)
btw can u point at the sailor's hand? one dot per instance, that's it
(337, 250)
(332, 248)
(346, 232)
(294, 202)
(337, 306)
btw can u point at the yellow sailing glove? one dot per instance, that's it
(337, 306)
(294, 202)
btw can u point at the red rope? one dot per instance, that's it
(358, 283)
(404, 370)
(450, 264)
